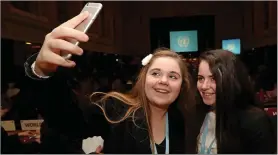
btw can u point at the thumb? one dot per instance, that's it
(99, 149)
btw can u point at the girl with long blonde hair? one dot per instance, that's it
(148, 119)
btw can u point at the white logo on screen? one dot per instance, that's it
(183, 41)
(231, 47)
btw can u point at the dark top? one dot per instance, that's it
(257, 132)
(161, 148)
(257, 135)
(75, 121)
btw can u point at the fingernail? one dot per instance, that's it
(86, 37)
(84, 13)
(81, 52)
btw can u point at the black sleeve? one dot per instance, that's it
(258, 136)
(59, 108)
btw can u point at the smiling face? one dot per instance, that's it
(163, 81)
(206, 84)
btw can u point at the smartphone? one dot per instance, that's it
(93, 9)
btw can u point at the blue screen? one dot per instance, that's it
(184, 41)
(232, 45)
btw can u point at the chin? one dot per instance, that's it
(160, 103)
(209, 103)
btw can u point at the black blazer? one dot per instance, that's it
(76, 121)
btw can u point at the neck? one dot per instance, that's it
(212, 108)
(158, 120)
(158, 113)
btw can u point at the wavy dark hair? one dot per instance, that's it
(234, 93)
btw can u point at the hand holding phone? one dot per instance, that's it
(93, 9)
(58, 48)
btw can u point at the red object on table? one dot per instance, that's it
(272, 111)
(27, 139)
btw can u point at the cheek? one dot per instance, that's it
(149, 83)
(176, 87)
(213, 86)
(199, 86)
(147, 89)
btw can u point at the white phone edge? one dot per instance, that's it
(89, 4)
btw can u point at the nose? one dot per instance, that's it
(163, 80)
(205, 85)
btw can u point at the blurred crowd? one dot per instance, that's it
(17, 103)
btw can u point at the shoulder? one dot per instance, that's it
(175, 113)
(255, 122)
(257, 131)
(253, 116)
(176, 118)
(114, 109)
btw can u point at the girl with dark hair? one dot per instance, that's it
(229, 120)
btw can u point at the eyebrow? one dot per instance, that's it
(172, 72)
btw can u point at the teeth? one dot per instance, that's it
(207, 94)
(161, 91)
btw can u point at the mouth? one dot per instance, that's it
(163, 91)
(207, 94)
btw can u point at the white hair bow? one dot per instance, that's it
(147, 59)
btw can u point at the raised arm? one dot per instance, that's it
(56, 102)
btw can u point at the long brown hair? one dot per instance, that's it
(234, 93)
(137, 99)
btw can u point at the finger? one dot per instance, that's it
(27, 132)
(38, 141)
(65, 32)
(65, 46)
(98, 149)
(38, 136)
(58, 60)
(72, 23)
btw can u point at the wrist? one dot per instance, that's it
(38, 72)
